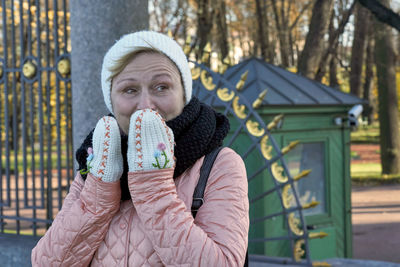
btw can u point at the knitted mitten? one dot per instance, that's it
(150, 142)
(106, 161)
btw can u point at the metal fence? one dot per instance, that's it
(35, 113)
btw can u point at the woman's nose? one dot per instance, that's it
(145, 101)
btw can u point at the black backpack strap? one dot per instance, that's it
(201, 185)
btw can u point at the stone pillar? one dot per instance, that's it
(95, 26)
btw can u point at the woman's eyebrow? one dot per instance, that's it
(126, 80)
(161, 75)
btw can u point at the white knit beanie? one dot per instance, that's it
(139, 40)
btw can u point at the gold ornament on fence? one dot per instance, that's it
(257, 103)
(287, 196)
(278, 173)
(274, 122)
(243, 78)
(186, 49)
(310, 205)
(1, 71)
(64, 66)
(225, 95)
(266, 150)
(238, 109)
(224, 66)
(252, 127)
(29, 69)
(321, 264)
(195, 73)
(207, 81)
(294, 225)
(298, 250)
(303, 174)
(317, 235)
(206, 53)
(289, 147)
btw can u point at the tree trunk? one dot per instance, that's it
(222, 28)
(333, 81)
(261, 39)
(369, 79)
(358, 49)
(205, 15)
(311, 54)
(387, 96)
(282, 28)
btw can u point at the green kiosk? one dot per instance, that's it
(294, 136)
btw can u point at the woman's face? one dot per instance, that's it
(150, 80)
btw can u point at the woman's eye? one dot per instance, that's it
(160, 88)
(130, 91)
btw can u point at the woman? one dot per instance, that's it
(130, 203)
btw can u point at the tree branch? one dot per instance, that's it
(382, 13)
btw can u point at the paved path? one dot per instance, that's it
(376, 222)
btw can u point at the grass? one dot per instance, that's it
(365, 170)
(369, 173)
(368, 134)
(37, 158)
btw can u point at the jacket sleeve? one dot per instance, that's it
(219, 234)
(81, 224)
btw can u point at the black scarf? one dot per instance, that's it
(197, 131)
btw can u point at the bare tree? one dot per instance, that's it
(333, 41)
(387, 95)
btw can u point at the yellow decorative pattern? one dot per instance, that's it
(64, 67)
(195, 73)
(266, 150)
(206, 53)
(224, 66)
(243, 78)
(257, 103)
(207, 81)
(277, 171)
(252, 127)
(287, 196)
(29, 69)
(186, 49)
(303, 174)
(224, 94)
(298, 251)
(1, 71)
(317, 235)
(274, 122)
(238, 109)
(289, 147)
(294, 224)
(310, 205)
(321, 264)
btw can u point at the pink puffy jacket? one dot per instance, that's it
(156, 227)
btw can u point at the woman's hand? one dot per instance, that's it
(105, 158)
(150, 143)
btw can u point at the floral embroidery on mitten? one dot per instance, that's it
(150, 143)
